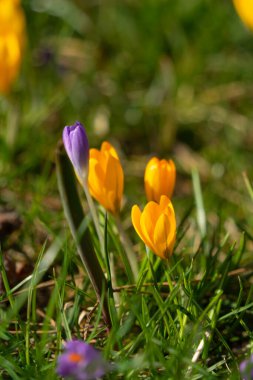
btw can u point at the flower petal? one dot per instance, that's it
(245, 11)
(114, 182)
(150, 178)
(80, 149)
(148, 220)
(159, 178)
(96, 180)
(164, 235)
(77, 147)
(136, 216)
(67, 141)
(81, 361)
(106, 178)
(167, 177)
(166, 205)
(107, 147)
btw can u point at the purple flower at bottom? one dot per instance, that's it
(77, 147)
(81, 361)
(246, 369)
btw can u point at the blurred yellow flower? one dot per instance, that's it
(245, 10)
(156, 226)
(12, 36)
(159, 179)
(106, 178)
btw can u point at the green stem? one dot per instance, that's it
(201, 214)
(131, 256)
(248, 184)
(75, 216)
(151, 268)
(5, 280)
(94, 215)
(171, 286)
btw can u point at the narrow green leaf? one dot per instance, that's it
(75, 216)
(201, 214)
(248, 184)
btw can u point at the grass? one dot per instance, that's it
(166, 78)
(159, 325)
(190, 317)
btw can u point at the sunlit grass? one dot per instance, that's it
(188, 318)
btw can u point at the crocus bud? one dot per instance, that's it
(156, 226)
(77, 147)
(159, 179)
(106, 178)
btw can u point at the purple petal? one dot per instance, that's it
(79, 347)
(246, 368)
(66, 367)
(80, 148)
(77, 147)
(67, 141)
(80, 361)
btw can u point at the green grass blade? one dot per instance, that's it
(201, 214)
(75, 216)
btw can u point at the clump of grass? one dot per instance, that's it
(189, 317)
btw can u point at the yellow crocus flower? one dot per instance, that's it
(245, 10)
(156, 226)
(10, 57)
(106, 178)
(159, 178)
(12, 36)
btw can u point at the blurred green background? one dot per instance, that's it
(165, 77)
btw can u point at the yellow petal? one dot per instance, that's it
(10, 57)
(95, 153)
(100, 157)
(136, 216)
(164, 236)
(160, 236)
(120, 186)
(245, 10)
(166, 204)
(148, 221)
(156, 226)
(107, 147)
(159, 178)
(95, 179)
(114, 182)
(12, 36)
(111, 205)
(150, 179)
(167, 177)
(168, 209)
(106, 177)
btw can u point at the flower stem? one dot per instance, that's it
(83, 239)
(94, 215)
(151, 267)
(128, 247)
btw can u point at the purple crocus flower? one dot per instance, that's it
(246, 368)
(77, 147)
(81, 361)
